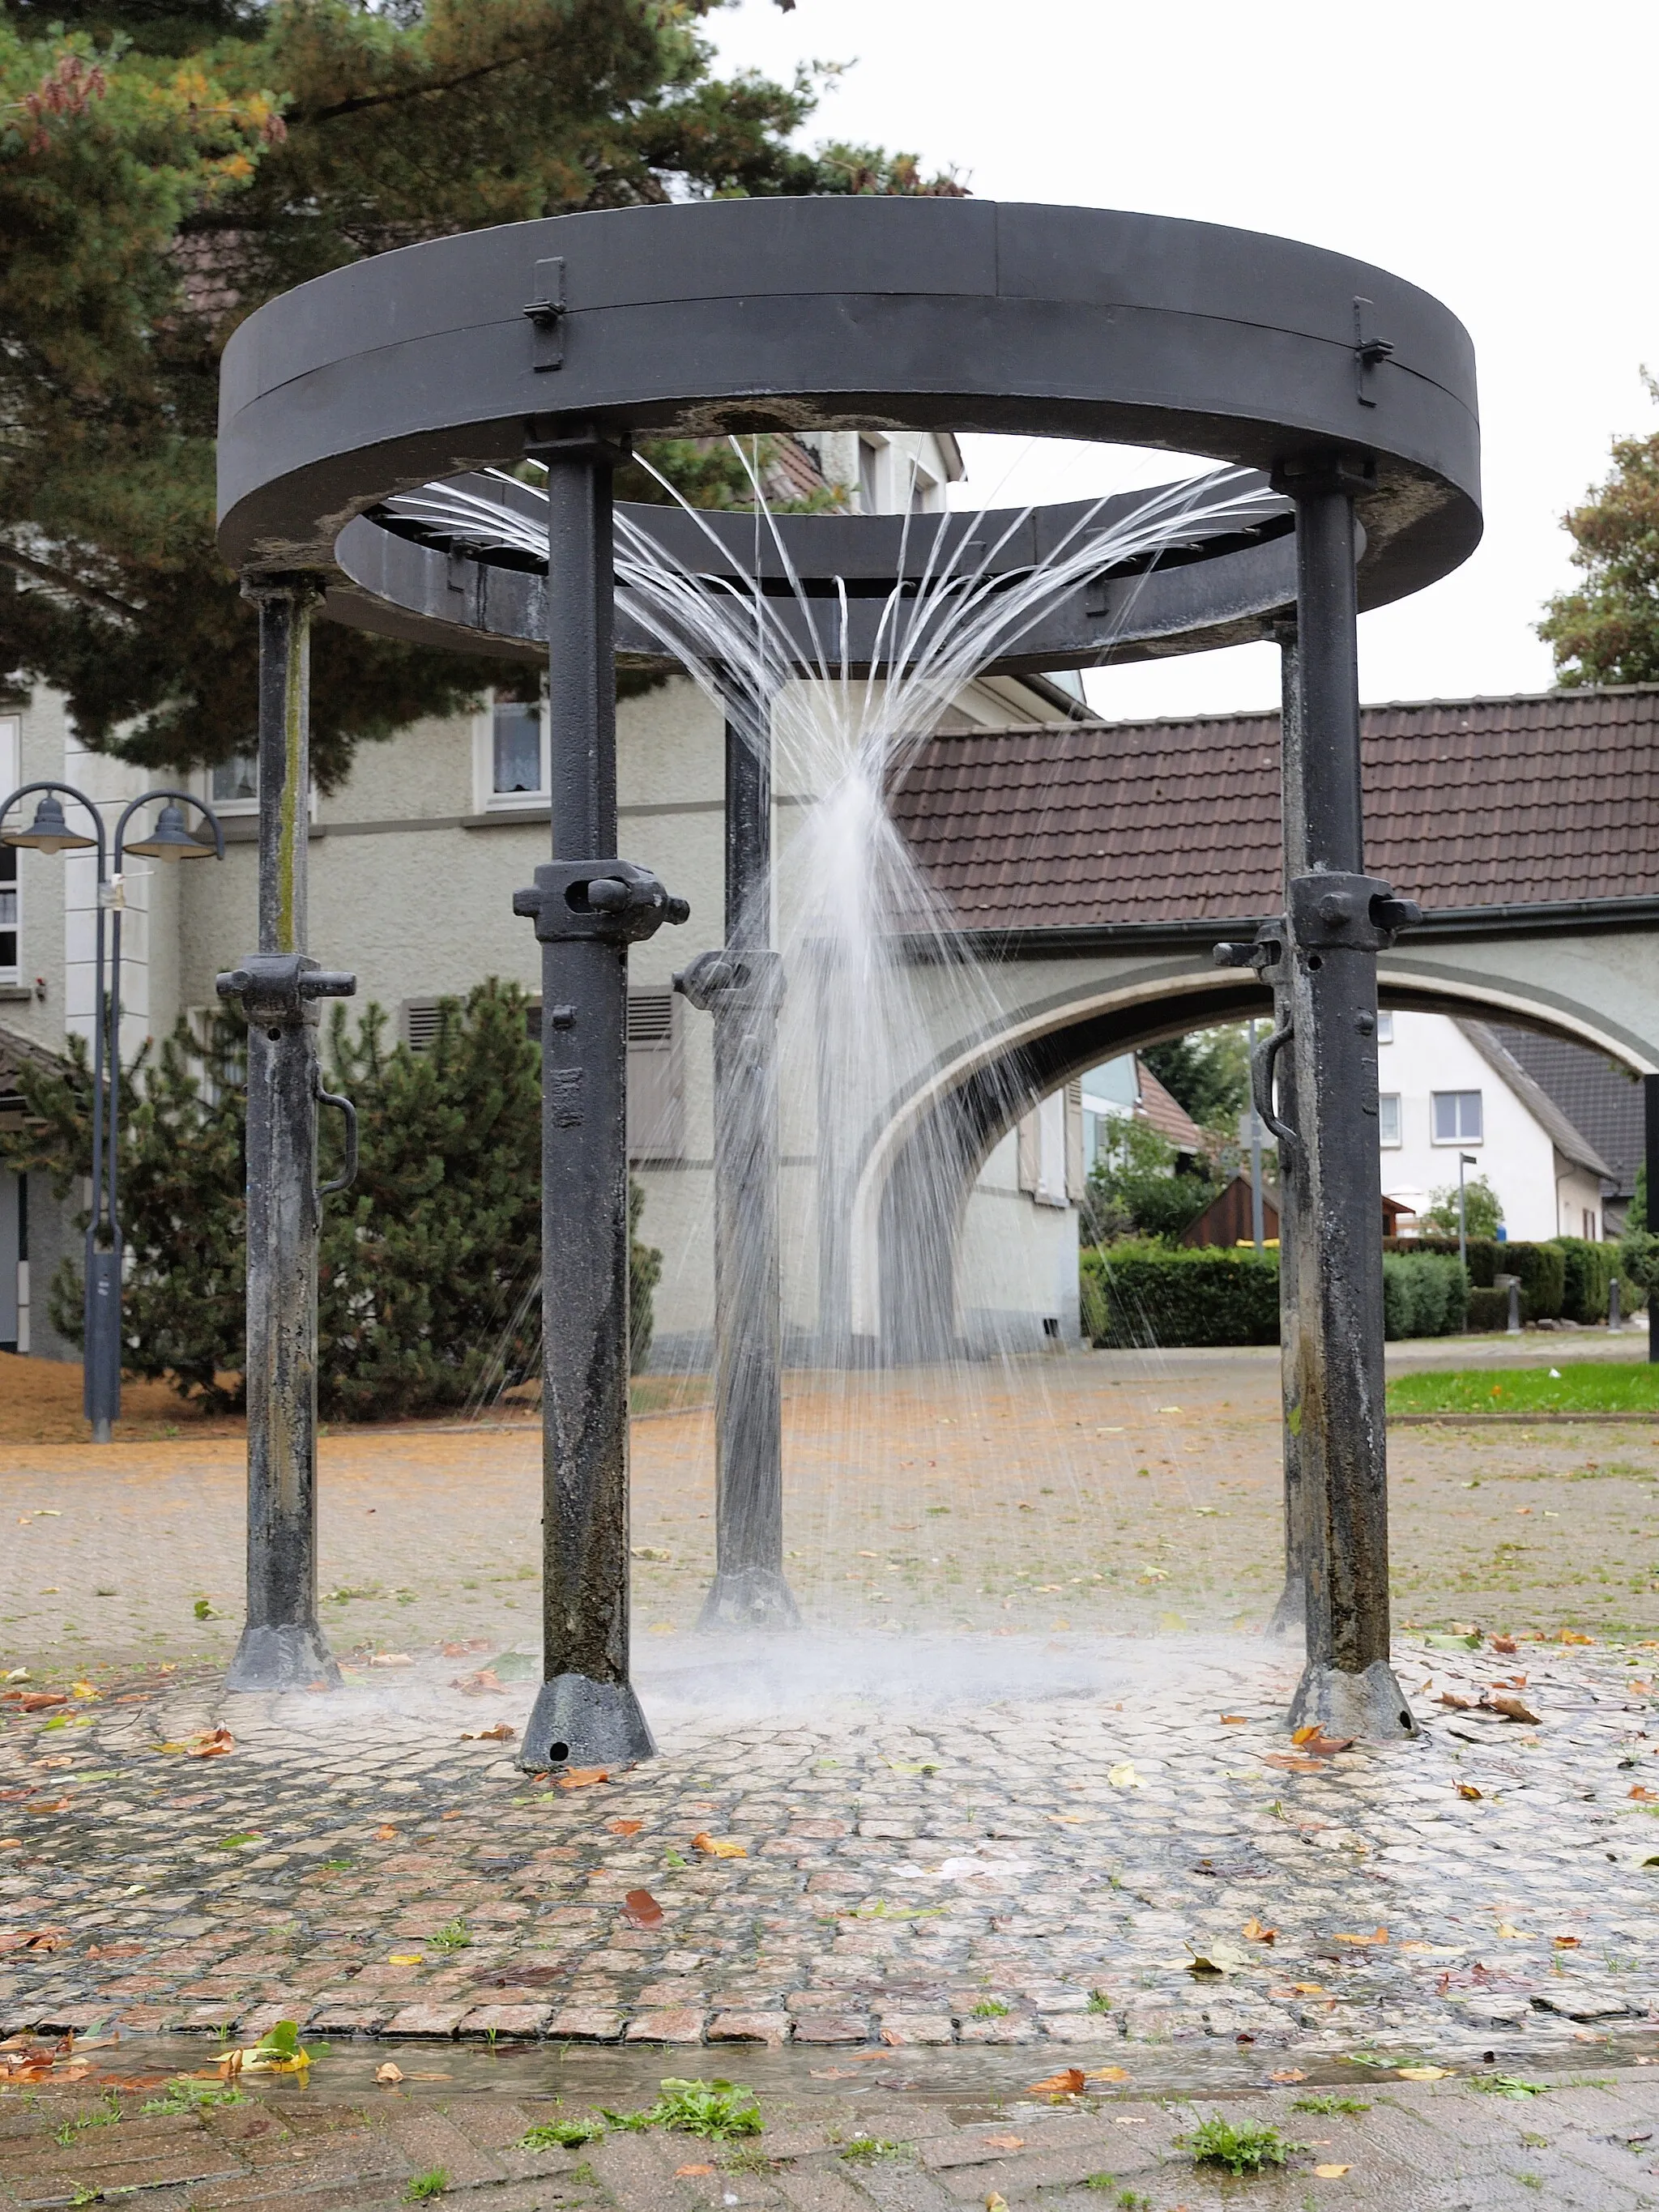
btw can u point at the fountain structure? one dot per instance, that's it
(555, 341)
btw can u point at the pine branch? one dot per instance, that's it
(62, 579)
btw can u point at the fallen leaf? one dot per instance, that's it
(1460, 1704)
(1467, 1790)
(1572, 1636)
(583, 1778)
(623, 1828)
(1292, 1762)
(1234, 1720)
(1566, 1942)
(1513, 1709)
(391, 1659)
(1511, 1933)
(35, 1701)
(386, 1835)
(1319, 1746)
(1107, 2074)
(405, 1958)
(389, 2074)
(500, 1734)
(716, 1847)
(84, 1689)
(1257, 1933)
(483, 1684)
(212, 1743)
(1423, 2072)
(683, 2170)
(1505, 1644)
(1330, 2172)
(1302, 1989)
(1381, 1936)
(31, 1939)
(995, 2203)
(1288, 2074)
(1123, 1777)
(642, 1909)
(1004, 2142)
(1646, 1796)
(1067, 2083)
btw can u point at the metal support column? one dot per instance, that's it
(1650, 1160)
(1337, 919)
(587, 911)
(1291, 1612)
(282, 1645)
(742, 987)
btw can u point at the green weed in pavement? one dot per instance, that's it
(563, 2135)
(429, 2184)
(717, 2110)
(1327, 2104)
(1241, 2147)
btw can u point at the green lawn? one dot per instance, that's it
(1589, 1386)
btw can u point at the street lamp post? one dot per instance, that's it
(169, 840)
(1464, 1160)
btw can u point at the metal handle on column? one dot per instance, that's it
(349, 1175)
(1262, 1062)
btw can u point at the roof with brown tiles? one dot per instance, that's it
(1474, 802)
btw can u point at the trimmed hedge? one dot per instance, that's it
(1590, 1269)
(1541, 1267)
(1489, 1311)
(1143, 1294)
(1424, 1294)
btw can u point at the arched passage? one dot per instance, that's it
(922, 1165)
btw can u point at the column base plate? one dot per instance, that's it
(750, 1598)
(291, 1655)
(577, 1721)
(1371, 1705)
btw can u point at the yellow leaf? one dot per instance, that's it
(1330, 2172)
(405, 1959)
(1381, 1936)
(717, 1847)
(389, 2074)
(1257, 1933)
(1423, 2072)
(1514, 1935)
(1124, 1776)
(1107, 2074)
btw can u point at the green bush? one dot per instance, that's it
(429, 1266)
(1590, 1269)
(1485, 1253)
(1424, 1294)
(1488, 1310)
(1543, 1272)
(1142, 1293)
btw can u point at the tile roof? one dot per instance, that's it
(1166, 1113)
(1601, 1100)
(1472, 802)
(1566, 1139)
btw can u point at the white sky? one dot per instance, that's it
(1499, 158)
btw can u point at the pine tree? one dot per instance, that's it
(165, 166)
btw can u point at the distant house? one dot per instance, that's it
(1450, 1088)
(1126, 1088)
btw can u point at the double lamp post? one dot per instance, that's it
(170, 839)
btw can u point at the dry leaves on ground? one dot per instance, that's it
(1287, 2074)
(212, 1743)
(1330, 2172)
(500, 1734)
(31, 1939)
(1423, 2072)
(623, 1828)
(34, 1701)
(683, 2172)
(642, 1909)
(386, 1835)
(1566, 1942)
(391, 1659)
(1313, 1740)
(483, 1684)
(583, 1778)
(1004, 2142)
(1257, 1933)
(717, 1847)
(1123, 1777)
(1467, 1790)
(1292, 1762)
(1513, 1709)
(1108, 2074)
(1380, 1935)
(389, 2075)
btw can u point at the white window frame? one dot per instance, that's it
(1386, 1099)
(1435, 1138)
(1384, 1026)
(486, 799)
(229, 810)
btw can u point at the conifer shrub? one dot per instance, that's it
(428, 1277)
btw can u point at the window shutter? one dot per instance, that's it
(655, 1101)
(1030, 1151)
(1077, 1187)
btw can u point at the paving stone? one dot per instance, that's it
(749, 2027)
(683, 2026)
(586, 2024)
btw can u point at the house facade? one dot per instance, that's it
(414, 860)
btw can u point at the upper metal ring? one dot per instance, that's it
(793, 313)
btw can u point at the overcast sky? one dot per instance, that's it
(1501, 158)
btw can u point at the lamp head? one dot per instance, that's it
(49, 832)
(170, 840)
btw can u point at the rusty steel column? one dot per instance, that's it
(282, 1645)
(1336, 920)
(742, 988)
(587, 908)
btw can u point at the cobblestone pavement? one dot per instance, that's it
(1067, 1844)
(900, 2144)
